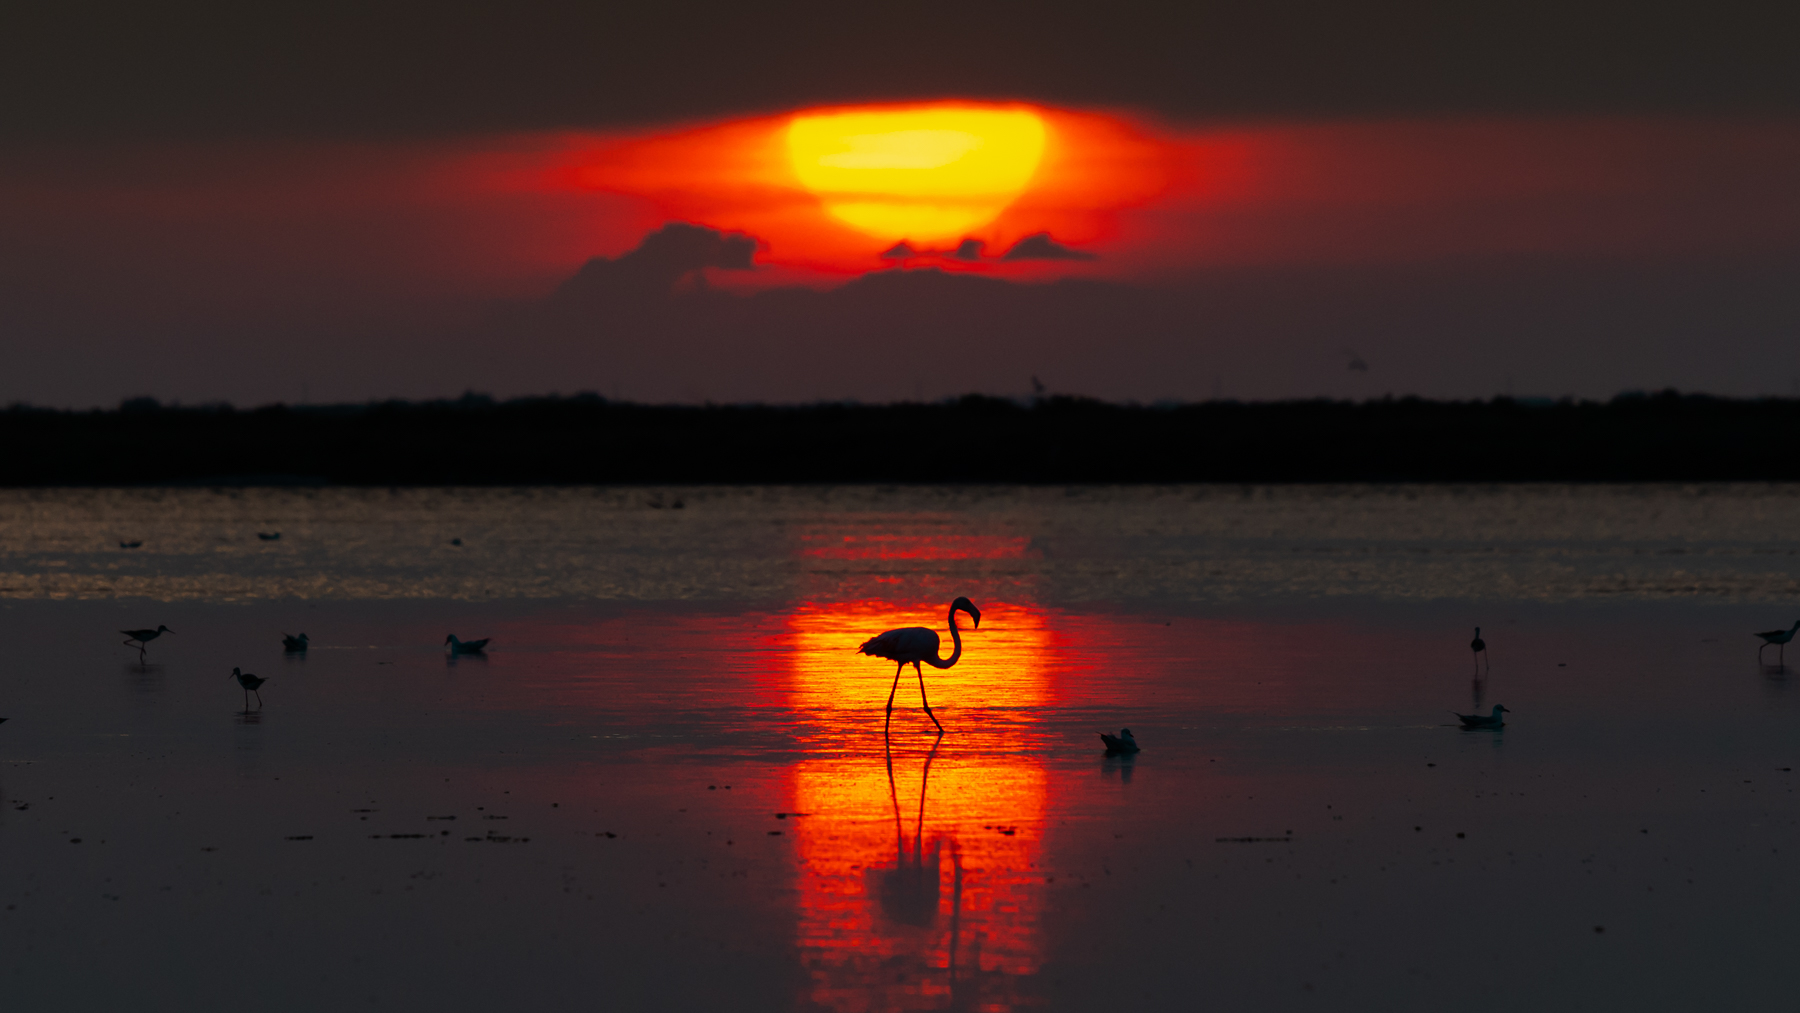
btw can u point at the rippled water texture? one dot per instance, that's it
(667, 785)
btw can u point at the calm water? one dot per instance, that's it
(666, 785)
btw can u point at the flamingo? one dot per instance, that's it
(469, 647)
(1493, 720)
(294, 644)
(915, 644)
(250, 684)
(143, 637)
(1780, 639)
(1479, 647)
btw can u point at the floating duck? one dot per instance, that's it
(131, 545)
(471, 647)
(1493, 720)
(1124, 742)
(1778, 637)
(293, 644)
(143, 637)
(250, 684)
(269, 536)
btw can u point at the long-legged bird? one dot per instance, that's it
(143, 637)
(915, 644)
(1780, 639)
(250, 684)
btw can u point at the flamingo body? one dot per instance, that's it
(916, 645)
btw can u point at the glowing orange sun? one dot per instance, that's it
(926, 174)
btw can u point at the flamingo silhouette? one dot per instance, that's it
(915, 644)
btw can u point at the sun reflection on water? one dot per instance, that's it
(917, 881)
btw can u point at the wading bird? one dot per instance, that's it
(250, 684)
(472, 647)
(269, 536)
(1493, 720)
(1780, 639)
(143, 637)
(1479, 647)
(914, 644)
(1124, 742)
(293, 644)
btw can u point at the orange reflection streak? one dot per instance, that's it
(913, 891)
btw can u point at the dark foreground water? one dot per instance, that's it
(666, 786)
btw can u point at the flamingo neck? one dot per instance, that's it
(956, 638)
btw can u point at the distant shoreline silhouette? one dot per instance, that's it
(586, 439)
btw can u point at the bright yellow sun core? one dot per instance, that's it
(926, 175)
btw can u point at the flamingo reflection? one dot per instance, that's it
(908, 890)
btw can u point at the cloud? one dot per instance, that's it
(665, 258)
(1039, 246)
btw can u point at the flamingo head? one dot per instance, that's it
(967, 606)
(451, 639)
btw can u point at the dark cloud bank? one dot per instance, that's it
(647, 326)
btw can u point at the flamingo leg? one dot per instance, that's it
(890, 713)
(922, 697)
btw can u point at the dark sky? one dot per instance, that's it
(260, 201)
(112, 69)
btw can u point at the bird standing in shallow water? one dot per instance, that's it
(1124, 742)
(1779, 638)
(294, 644)
(470, 647)
(915, 644)
(250, 683)
(1493, 720)
(143, 637)
(1479, 647)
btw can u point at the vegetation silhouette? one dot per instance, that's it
(582, 439)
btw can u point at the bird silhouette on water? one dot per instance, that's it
(1779, 638)
(914, 644)
(250, 684)
(1479, 647)
(1124, 742)
(269, 536)
(294, 644)
(143, 637)
(466, 647)
(1493, 720)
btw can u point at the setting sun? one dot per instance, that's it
(925, 174)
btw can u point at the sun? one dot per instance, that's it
(925, 174)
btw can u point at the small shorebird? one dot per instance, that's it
(143, 637)
(250, 684)
(1479, 647)
(1124, 742)
(471, 647)
(269, 536)
(1493, 720)
(1780, 639)
(913, 644)
(131, 545)
(293, 644)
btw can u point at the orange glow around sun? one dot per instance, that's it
(832, 189)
